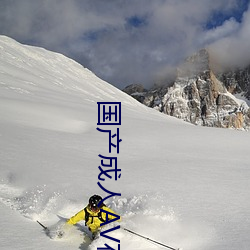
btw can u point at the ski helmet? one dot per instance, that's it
(94, 201)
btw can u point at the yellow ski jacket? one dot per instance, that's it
(93, 222)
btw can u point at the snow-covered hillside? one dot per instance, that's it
(182, 185)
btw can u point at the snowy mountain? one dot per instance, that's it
(201, 96)
(182, 185)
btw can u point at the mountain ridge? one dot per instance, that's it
(200, 95)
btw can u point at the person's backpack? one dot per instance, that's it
(88, 216)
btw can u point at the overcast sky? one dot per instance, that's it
(131, 41)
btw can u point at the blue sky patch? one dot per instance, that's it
(136, 21)
(219, 17)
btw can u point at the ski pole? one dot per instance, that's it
(159, 243)
(45, 228)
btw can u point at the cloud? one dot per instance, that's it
(124, 42)
(233, 49)
(228, 28)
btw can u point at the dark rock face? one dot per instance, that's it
(137, 91)
(201, 97)
(237, 81)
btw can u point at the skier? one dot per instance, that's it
(92, 215)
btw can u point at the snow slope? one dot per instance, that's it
(182, 185)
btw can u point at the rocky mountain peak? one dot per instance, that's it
(200, 96)
(197, 64)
